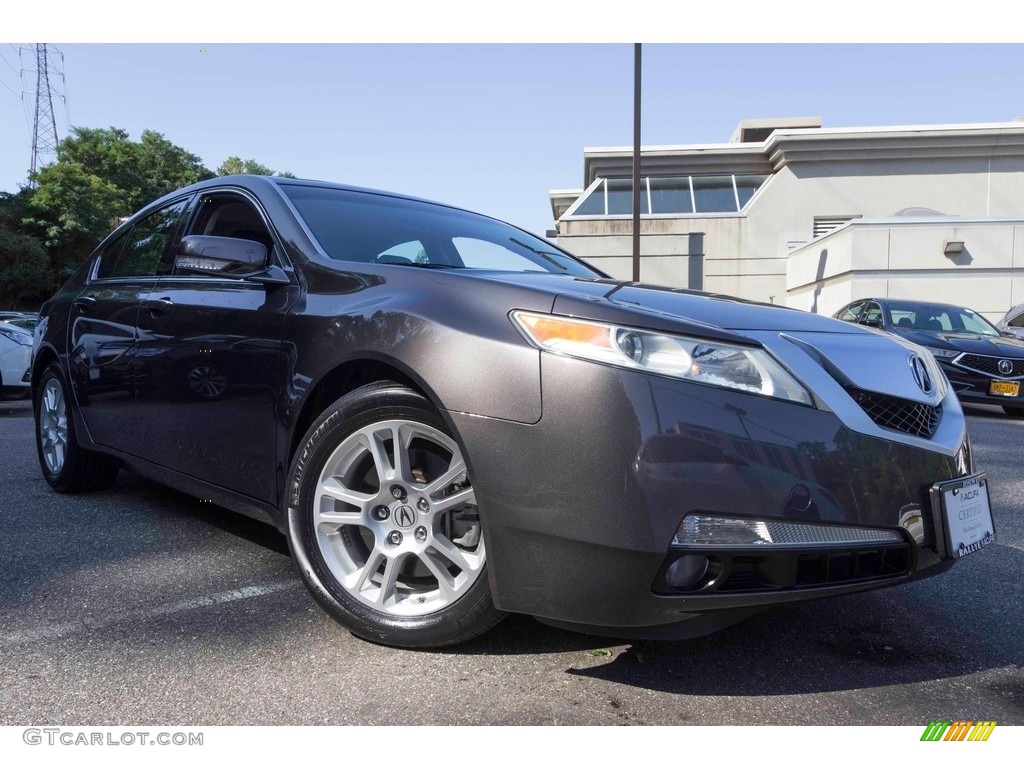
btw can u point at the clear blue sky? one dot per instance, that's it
(493, 127)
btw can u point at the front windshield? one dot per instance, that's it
(916, 316)
(379, 229)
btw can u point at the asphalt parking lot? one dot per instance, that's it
(140, 605)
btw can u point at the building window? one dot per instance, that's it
(620, 197)
(713, 194)
(671, 195)
(668, 195)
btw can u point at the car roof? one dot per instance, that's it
(253, 182)
(1014, 311)
(890, 300)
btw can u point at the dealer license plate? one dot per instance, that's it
(1004, 388)
(965, 513)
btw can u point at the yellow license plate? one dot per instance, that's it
(1005, 388)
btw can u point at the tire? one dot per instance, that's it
(66, 466)
(396, 554)
(1014, 410)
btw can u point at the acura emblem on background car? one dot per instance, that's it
(1005, 367)
(921, 376)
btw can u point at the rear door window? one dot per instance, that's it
(139, 252)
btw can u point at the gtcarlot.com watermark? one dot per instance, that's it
(71, 737)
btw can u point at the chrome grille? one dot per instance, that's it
(898, 414)
(989, 365)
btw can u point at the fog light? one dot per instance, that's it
(712, 531)
(686, 571)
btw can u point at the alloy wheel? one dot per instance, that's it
(395, 518)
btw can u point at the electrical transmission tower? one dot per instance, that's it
(49, 70)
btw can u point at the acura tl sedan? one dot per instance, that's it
(982, 364)
(451, 419)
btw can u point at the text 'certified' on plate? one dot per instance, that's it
(966, 514)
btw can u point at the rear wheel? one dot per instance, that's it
(1014, 410)
(66, 466)
(383, 522)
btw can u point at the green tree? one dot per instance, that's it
(14, 207)
(164, 167)
(25, 273)
(24, 269)
(235, 165)
(75, 209)
(144, 170)
(99, 175)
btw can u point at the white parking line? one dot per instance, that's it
(55, 631)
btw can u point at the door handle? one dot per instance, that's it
(157, 306)
(84, 303)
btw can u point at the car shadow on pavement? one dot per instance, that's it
(133, 521)
(953, 625)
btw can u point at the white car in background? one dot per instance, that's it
(1013, 322)
(15, 356)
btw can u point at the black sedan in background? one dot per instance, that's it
(982, 364)
(450, 418)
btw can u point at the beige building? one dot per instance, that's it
(793, 213)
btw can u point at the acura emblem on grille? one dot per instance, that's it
(1005, 367)
(921, 375)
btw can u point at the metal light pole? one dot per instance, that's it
(636, 162)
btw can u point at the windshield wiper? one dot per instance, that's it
(546, 255)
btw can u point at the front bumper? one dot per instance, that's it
(14, 364)
(973, 387)
(580, 509)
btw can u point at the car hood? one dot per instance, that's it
(670, 308)
(967, 342)
(854, 357)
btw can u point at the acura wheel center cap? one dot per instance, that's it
(404, 516)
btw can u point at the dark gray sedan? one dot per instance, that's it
(451, 419)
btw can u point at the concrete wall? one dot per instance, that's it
(666, 247)
(904, 259)
(785, 208)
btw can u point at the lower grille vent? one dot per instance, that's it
(758, 572)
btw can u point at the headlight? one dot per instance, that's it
(703, 361)
(942, 354)
(18, 337)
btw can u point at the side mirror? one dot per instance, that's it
(208, 255)
(873, 322)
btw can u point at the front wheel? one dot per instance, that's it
(383, 522)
